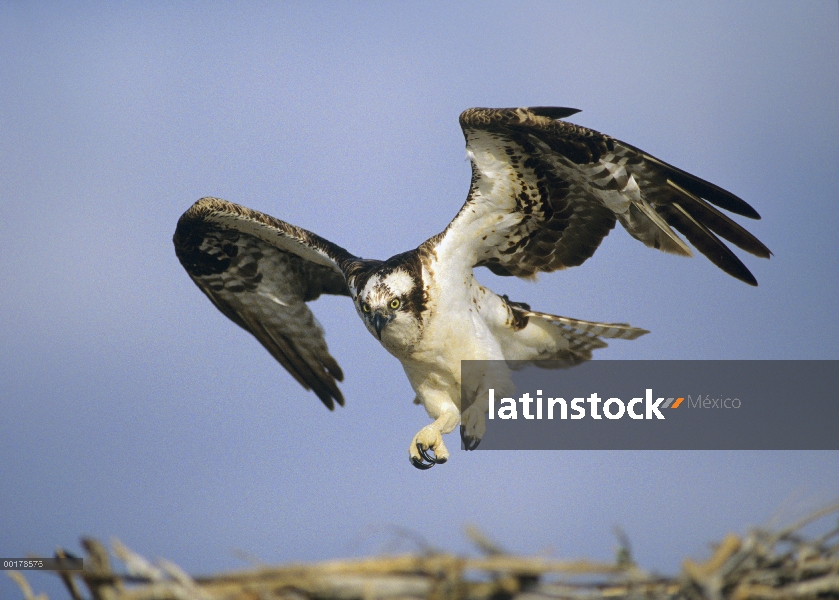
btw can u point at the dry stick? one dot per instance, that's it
(97, 575)
(24, 586)
(747, 570)
(806, 520)
(487, 546)
(824, 538)
(67, 578)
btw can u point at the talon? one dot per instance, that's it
(425, 455)
(420, 465)
(427, 448)
(468, 443)
(431, 458)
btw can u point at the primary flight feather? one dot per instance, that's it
(544, 194)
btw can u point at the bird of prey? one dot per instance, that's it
(544, 194)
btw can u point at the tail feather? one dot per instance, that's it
(621, 331)
(583, 337)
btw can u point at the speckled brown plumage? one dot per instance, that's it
(234, 256)
(543, 195)
(561, 178)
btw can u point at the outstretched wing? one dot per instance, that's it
(260, 272)
(545, 193)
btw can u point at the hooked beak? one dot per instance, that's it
(379, 322)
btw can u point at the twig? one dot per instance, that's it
(24, 586)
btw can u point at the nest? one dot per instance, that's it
(763, 565)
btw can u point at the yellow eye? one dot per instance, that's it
(365, 307)
(394, 304)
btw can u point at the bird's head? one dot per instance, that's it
(390, 303)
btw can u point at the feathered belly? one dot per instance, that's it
(433, 368)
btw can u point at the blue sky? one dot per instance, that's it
(130, 407)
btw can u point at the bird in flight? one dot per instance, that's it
(544, 194)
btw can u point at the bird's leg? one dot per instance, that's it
(494, 375)
(473, 424)
(427, 448)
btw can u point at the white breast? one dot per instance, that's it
(454, 330)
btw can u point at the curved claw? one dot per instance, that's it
(432, 458)
(473, 444)
(420, 465)
(468, 443)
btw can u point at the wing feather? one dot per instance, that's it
(719, 222)
(545, 193)
(706, 242)
(260, 272)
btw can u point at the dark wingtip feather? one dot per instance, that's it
(326, 390)
(707, 243)
(699, 187)
(719, 223)
(327, 395)
(714, 194)
(553, 112)
(327, 400)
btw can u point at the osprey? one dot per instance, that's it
(544, 194)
